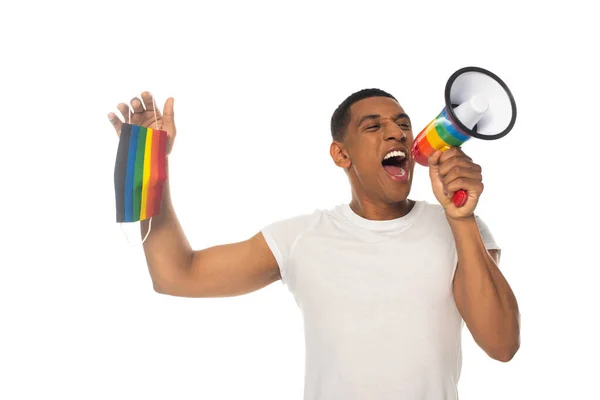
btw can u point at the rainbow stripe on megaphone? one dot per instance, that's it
(440, 134)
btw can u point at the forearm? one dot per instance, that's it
(167, 250)
(485, 299)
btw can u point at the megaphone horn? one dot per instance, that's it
(479, 105)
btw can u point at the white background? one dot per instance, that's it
(255, 84)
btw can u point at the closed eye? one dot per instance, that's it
(373, 127)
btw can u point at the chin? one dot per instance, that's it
(397, 198)
(397, 194)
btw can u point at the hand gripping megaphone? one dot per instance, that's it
(479, 105)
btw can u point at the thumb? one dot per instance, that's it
(169, 115)
(434, 159)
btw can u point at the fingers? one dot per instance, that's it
(470, 185)
(137, 106)
(140, 111)
(116, 122)
(457, 161)
(125, 111)
(465, 178)
(149, 104)
(458, 171)
(453, 152)
(452, 185)
(461, 171)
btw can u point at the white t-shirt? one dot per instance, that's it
(380, 321)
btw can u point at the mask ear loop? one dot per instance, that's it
(150, 222)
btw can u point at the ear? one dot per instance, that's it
(339, 155)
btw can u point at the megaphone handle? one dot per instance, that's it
(460, 198)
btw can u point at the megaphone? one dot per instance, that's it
(477, 104)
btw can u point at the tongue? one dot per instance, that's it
(392, 169)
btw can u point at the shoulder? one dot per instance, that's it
(282, 235)
(437, 212)
(295, 224)
(435, 217)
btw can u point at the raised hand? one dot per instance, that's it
(451, 171)
(143, 112)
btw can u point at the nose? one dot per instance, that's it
(394, 132)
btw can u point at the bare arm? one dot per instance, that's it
(482, 294)
(220, 271)
(175, 268)
(483, 297)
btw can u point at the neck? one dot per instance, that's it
(369, 209)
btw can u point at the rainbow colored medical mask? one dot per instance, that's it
(140, 173)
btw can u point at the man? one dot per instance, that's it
(384, 282)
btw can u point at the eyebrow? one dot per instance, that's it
(376, 116)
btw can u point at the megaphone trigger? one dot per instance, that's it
(460, 198)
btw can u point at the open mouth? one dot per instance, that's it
(395, 164)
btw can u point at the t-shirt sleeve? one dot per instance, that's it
(281, 237)
(486, 235)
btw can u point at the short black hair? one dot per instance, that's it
(341, 116)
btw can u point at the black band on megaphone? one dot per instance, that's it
(473, 132)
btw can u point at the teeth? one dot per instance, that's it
(396, 153)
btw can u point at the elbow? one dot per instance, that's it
(163, 286)
(176, 288)
(505, 346)
(506, 353)
(170, 283)
(158, 288)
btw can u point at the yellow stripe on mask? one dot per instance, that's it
(146, 175)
